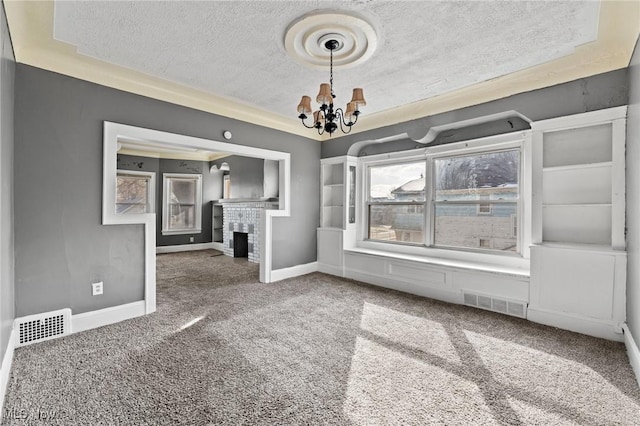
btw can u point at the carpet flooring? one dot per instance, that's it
(223, 348)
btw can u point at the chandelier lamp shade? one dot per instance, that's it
(327, 118)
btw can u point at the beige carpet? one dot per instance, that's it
(224, 349)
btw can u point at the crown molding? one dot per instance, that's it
(31, 27)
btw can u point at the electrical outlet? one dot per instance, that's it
(192, 239)
(97, 288)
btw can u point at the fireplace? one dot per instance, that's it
(241, 221)
(240, 244)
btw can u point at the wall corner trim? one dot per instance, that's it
(293, 271)
(5, 370)
(633, 352)
(106, 316)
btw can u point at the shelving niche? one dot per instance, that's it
(577, 185)
(333, 179)
(337, 215)
(578, 258)
(216, 225)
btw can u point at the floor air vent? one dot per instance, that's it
(41, 327)
(509, 307)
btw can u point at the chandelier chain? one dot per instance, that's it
(331, 71)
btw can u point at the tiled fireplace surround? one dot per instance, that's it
(243, 217)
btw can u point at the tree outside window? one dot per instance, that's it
(135, 192)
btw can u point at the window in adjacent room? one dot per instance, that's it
(135, 192)
(181, 203)
(226, 186)
(395, 203)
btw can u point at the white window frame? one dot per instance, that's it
(151, 188)
(165, 204)
(489, 149)
(368, 203)
(517, 140)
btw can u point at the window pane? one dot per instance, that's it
(130, 208)
(470, 226)
(396, 222)
(182, 216)
(182, 203)
(132, 194)
(399, 182)
(183, 191)
(491, 176)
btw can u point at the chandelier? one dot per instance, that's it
(327, 118)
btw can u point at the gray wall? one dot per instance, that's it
(164, 165)
(247, 176)
(7, 72)
(270, 187)
(633, 197)
(60, 243)
(587, 94)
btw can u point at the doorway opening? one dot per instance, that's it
(118, 135)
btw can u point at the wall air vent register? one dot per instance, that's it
(41, 327)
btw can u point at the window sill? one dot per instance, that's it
(182, 231)
(520, 271)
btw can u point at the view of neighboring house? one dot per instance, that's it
(475, 201)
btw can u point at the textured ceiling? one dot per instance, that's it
(235, 48)
(229, 58)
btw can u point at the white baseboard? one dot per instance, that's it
(188, 247)
(293, 271)
(94, 319)
(5, 370)
(407, 287)
(578, 324)
(330, 269)
(632, 351)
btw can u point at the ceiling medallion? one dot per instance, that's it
(306, 37)
(345, 40)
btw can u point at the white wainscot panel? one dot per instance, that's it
(417, 278)
(579, 289)
(413, 272)
(577, 282)
(330, 251)
(366, 264)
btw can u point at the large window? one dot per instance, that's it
(395, 202)
(476, 200)
(467, 201)
(182, 204)
(135, 192)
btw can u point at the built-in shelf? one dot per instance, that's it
(578, 146)
(333, 177)
(216, 222)
(577, 223)
(596, 248)
(337, 215)
(578, 259)
(577, 184)
(577, 166)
